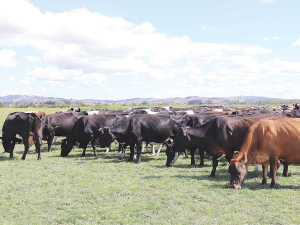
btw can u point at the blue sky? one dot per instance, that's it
(126, 49)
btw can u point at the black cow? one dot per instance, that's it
(139, 128)
(23, 124)
(196, 120)
(85, 130)
(219, 136)
(62, 124)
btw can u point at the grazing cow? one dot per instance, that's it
(62, 122)
(139, 128)
(219, 136)
(85, 130)
(267, 141)
(23, 124)
(196, 120)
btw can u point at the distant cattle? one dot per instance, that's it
(267, 141)
(219, 136)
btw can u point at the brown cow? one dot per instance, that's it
(267, 141)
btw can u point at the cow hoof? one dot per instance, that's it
(129, 160)
(22, 158)
(285, 175)
(201, 165)
(138, 162)
(82, 155)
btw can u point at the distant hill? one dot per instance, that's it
(11, 99)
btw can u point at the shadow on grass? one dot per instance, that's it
(5, 157)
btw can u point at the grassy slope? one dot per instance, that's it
(109, 191)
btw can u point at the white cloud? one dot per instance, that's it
(32, 59)
(257, 51)
(296, 43)
(141, 83)
(90, 43)
(204, 28)
(55, 83)
(267, 1)
(27, 80)
(7, 57)
(271, 38)
(11, 78)
(56, 76)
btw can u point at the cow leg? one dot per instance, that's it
(84, 146)
(273, 168)
(131, 152)
(192, 151)
(158, 151)
(256, 167)
(153, 149)
(138, 150)
(26, 144)
(83, 152)
(93, 144)
(186, 153)
(54, 140)
(201, 153)
(38, 146)
(265, 174)
(119, 148)
(49, 142)
(143, 147)
(108, 149)
(215, 164)
(285, 169)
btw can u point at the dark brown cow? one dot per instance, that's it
(266, 142)
(24, 125)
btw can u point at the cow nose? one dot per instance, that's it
(235, 186)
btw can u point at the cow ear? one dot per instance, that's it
(233, 162)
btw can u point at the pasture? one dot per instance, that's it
(107, 190)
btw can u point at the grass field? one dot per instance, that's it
(107, 190)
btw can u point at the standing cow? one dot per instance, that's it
(267, 141)
(23, 124)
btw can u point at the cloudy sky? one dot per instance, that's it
(125, 49)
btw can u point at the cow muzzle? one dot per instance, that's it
(235, 186)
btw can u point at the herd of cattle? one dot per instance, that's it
(253, 135)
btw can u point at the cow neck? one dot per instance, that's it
(198, 134)
(120, 129)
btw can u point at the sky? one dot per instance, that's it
(113, 50)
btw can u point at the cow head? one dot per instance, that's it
(105, 137)
(66, 147)
(180, 143)
(238, 172)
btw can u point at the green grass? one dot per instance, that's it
(107, 190)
